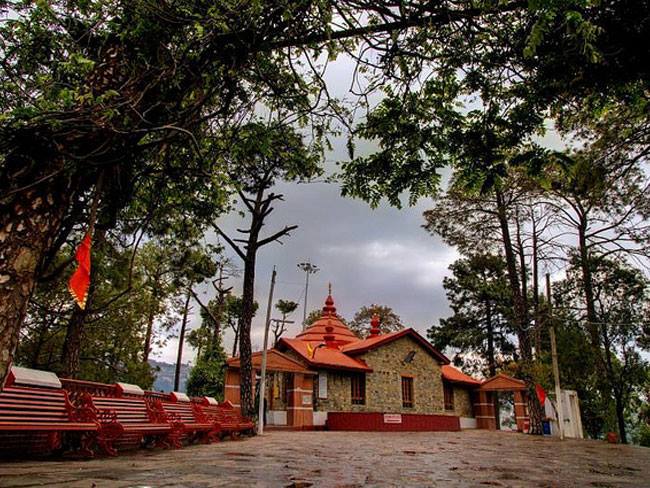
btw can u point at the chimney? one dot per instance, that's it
(374, 326)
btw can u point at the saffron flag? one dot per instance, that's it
(80, 279)
(541, 394)
(310, 350)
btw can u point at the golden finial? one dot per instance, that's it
(329, 287)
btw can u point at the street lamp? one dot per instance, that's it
(308, 268)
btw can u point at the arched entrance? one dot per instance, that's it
(486, 401)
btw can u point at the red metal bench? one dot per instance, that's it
(225, 416)
(36, 418)
(127, 421)
(195, 423)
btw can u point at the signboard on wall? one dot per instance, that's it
(392, 418)
(322, 384)
(306, 399)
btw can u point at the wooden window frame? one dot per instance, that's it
(408, 391)
(358, 389)
(448, 392)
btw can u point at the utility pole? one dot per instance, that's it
(308, 268)
(556, 368)
(262, 387)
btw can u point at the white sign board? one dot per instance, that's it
(306, 399)
(392, 418)
(322, 384)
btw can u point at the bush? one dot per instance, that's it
(643, 436)
(207, 377)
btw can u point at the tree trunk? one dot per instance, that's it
(521, 322)
(535, 259)
(29, 222)
(245, 321)
(146, 351)
(73, 339)
(490, 339)
(603, 381)
(236, 341)
(620, 417)
(588, 285)
(181, 341)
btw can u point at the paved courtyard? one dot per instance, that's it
(342, 459)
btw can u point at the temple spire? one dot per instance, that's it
(329, 307)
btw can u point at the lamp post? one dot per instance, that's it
(308, 268)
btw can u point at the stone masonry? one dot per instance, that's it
(462, 403)
(384, 384)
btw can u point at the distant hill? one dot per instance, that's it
(165, 376)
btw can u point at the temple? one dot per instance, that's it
(326, 376)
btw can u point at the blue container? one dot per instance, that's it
(546, 427)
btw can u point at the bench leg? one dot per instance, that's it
(88, 440)
(107, 435)
(214, 436)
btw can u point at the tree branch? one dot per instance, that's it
(277, 235)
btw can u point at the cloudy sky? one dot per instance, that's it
(370, 256)
(380, 256)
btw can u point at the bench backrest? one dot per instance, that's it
(22, 405)
(186, 412)
(128, 410)
(217, 413)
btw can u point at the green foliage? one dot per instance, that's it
(206, 377)
(643, 436)
(479, 295)
(622, 304)
(389, 321)
(285, 307)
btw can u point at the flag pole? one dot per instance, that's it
(556, 368)
(262, 387)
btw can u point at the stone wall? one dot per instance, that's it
(462, 402)
(384, 384)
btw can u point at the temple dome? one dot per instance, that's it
(317, 331)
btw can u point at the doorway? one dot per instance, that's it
(505, 411)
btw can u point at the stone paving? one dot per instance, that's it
(350, 459)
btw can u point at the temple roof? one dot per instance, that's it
(323, 356)
(316, 331)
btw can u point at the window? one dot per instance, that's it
(407, 391)
(358, 383)
(449, 396)
(322, 384)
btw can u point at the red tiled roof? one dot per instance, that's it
(455, 375)
(316, 331)
(324, 357)
(376, 341)
(275, 361)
